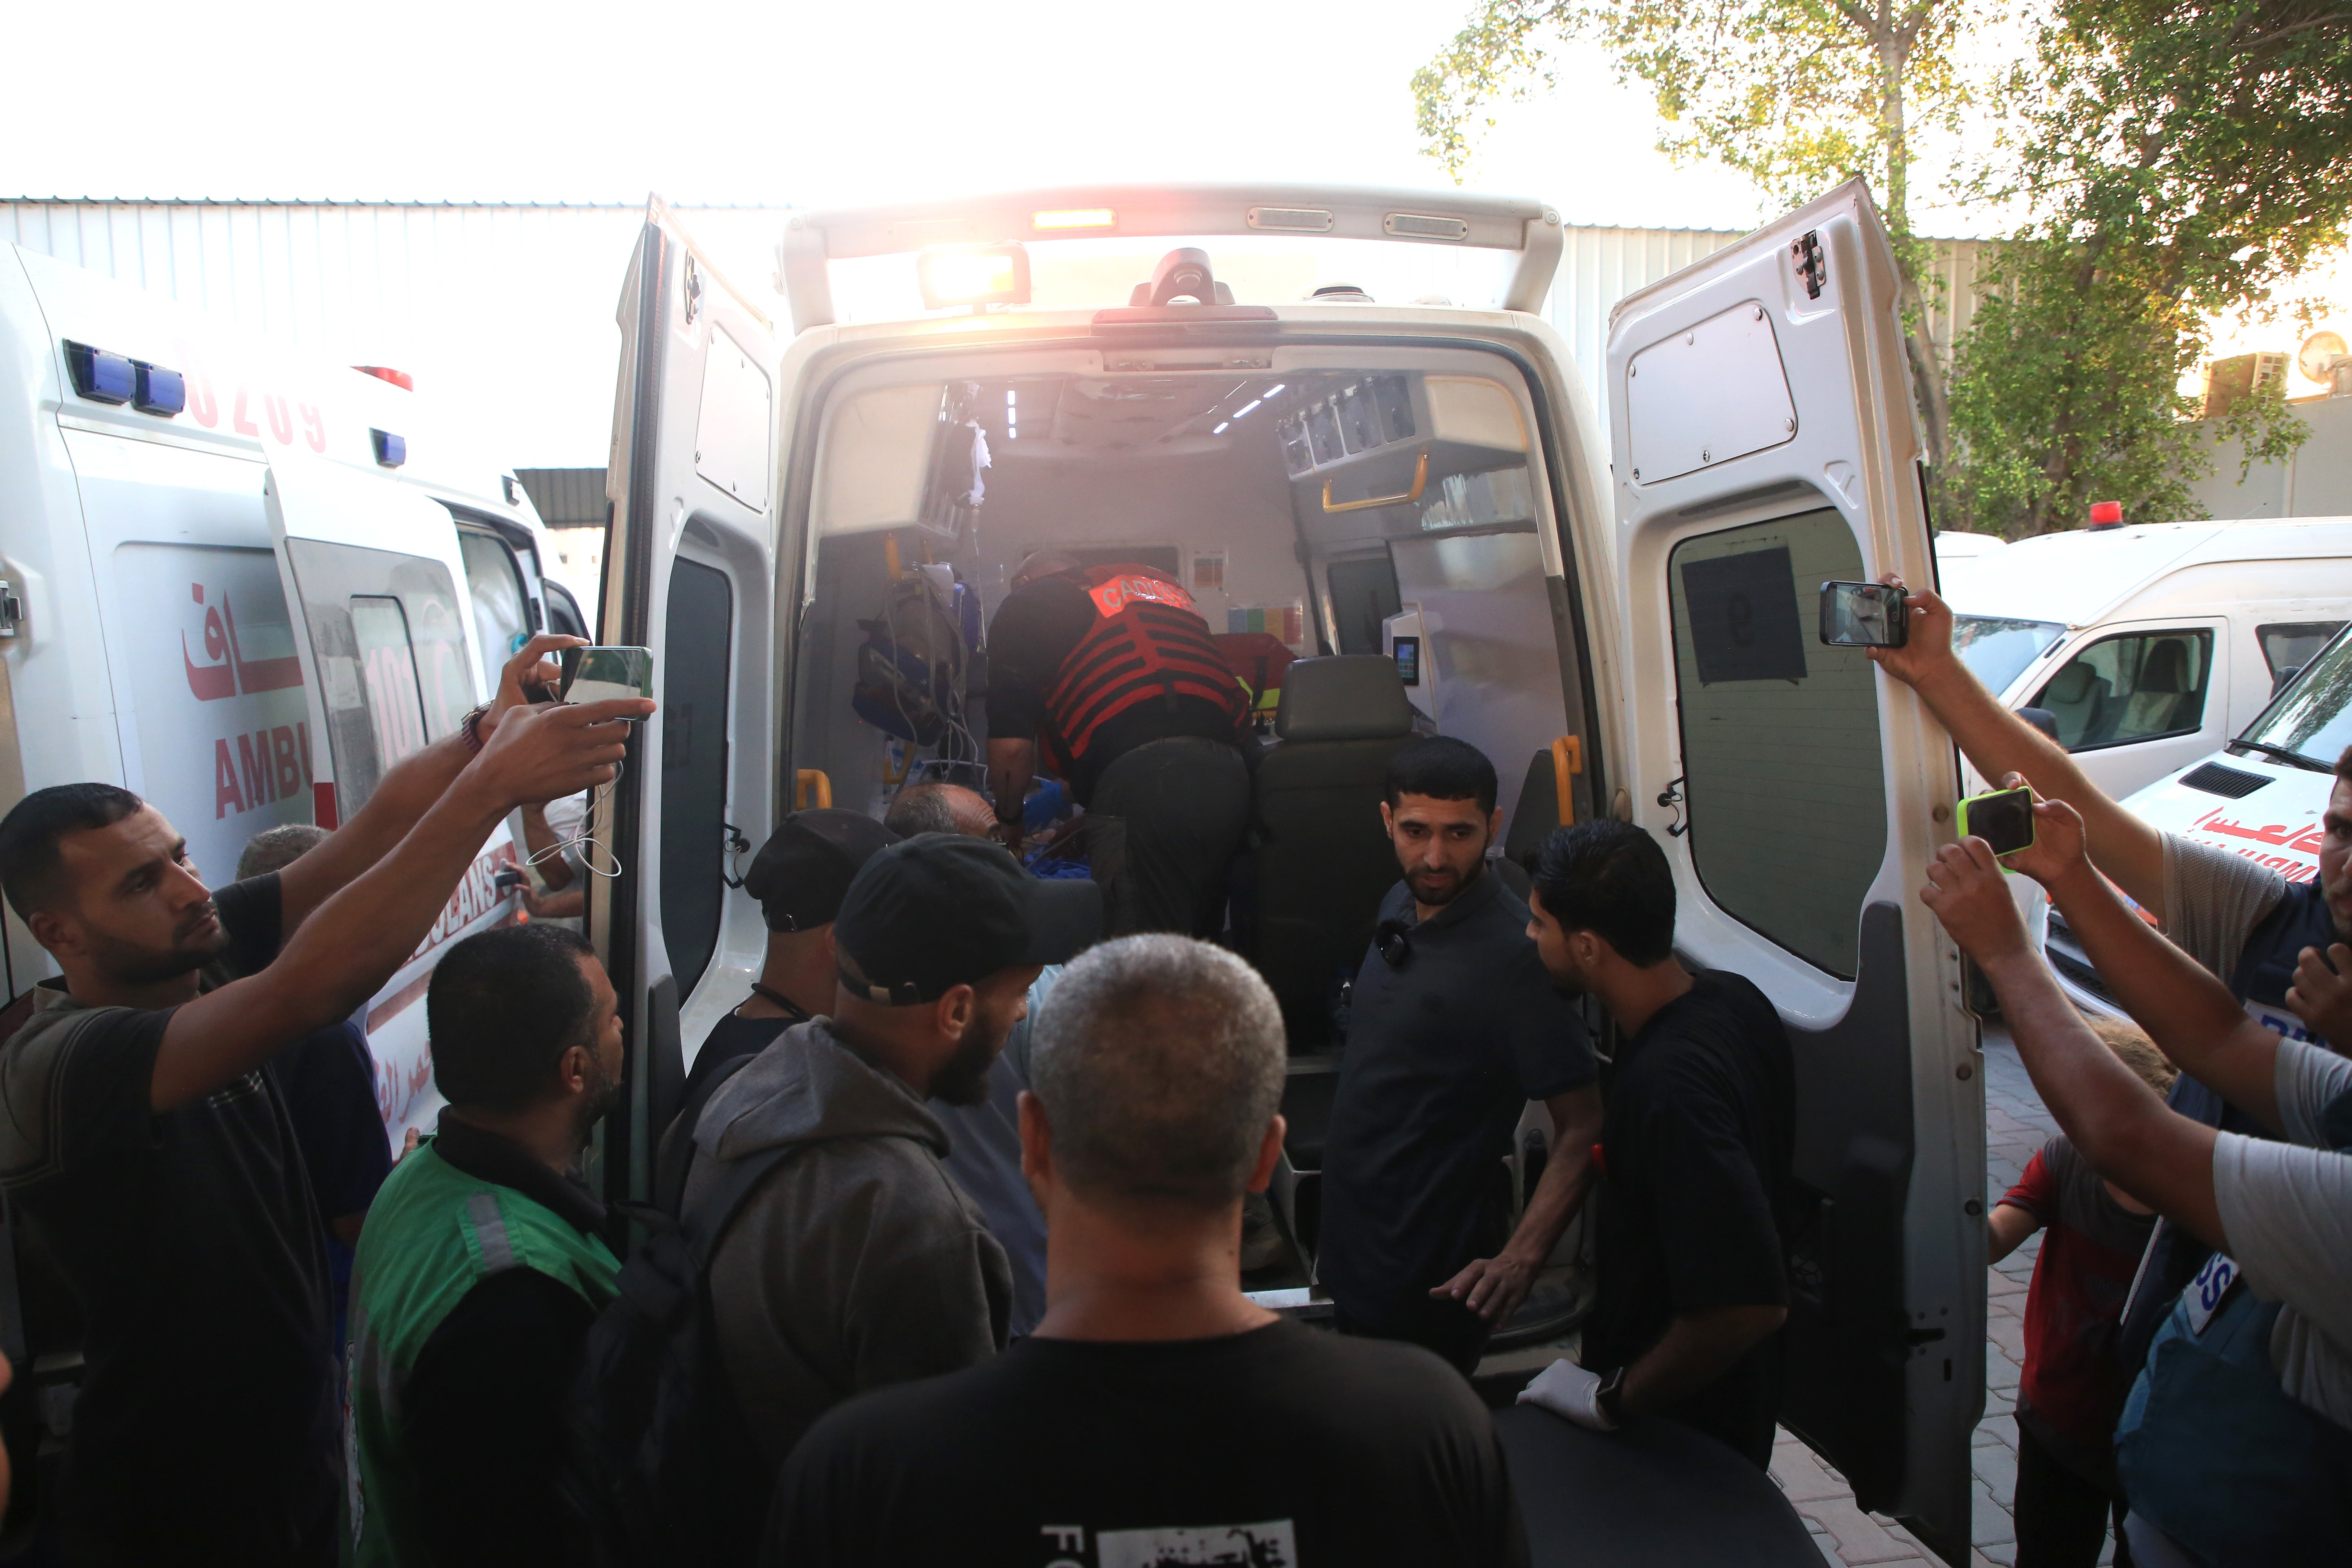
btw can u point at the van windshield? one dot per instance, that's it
(1998, 648)
(2310, 721)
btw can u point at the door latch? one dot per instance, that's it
(1672, 796)
(12, 609)
(1811, 267)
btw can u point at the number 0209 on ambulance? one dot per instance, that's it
(242, 584)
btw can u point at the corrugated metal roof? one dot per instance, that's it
(507, 308)
(566, 498)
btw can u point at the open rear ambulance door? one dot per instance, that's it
(384, 657)
(690, 574)
(1763, 443)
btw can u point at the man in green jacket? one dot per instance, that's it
(481, 1268)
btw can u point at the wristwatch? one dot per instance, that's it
(470, 727)
(1605, 1397)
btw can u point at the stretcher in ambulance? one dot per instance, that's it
(172, 493)
(802, 509)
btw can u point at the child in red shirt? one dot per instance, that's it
(2072, 1387)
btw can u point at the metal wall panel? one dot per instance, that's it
(509, 310)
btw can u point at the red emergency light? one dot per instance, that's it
(2105, 514)
(399, 378)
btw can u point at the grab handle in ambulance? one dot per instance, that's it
(1566, 757)
(812, 782)
(1420, 483)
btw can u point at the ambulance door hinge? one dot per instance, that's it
(12, 609)
(1812, 269)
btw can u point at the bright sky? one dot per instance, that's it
(809, 104)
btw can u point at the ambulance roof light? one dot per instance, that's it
(2105, 515)
(101, 376)
(160, 391)
(399, 378)
(391, 450)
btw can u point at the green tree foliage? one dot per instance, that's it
(1796, 94)
(2179, 161)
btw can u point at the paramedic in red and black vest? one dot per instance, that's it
(1111, 670)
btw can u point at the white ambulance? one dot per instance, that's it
(2150, 646)
(2261, 795)
(170, 489)
(1626, 628)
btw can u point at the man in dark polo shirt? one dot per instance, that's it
(144, 1136)
(1694, 1155)
(1454, 1028)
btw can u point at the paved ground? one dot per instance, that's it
(2015, 1126)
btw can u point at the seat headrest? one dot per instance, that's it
(1346, 697)
(2166, 669)
(2073, 684)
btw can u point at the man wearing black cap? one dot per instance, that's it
(856, 1262)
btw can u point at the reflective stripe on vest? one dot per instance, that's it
(432, 1233)
(1153, 644)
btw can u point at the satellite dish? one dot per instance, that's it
(2317, 357)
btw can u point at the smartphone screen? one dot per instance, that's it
(1862, 614)
(1408, 658)
(2003, 819)
(596, 674)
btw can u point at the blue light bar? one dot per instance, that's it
(160, 391)
(101, 376)
(391, 450)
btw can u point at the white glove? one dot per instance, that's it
(1568, 1390)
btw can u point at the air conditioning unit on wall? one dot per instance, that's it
(2228, 381)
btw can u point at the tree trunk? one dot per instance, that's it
(1893, 43)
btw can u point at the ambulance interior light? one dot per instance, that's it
(1074, 217)
(973, 275)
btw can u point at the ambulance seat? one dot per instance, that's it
(1324, 862)
(2156, 707)
(2076, 697)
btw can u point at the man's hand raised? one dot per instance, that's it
(1926, 649)
(2322, 993)
(1966, 891)
(546, 752)
(2057, 852)
(526, 672)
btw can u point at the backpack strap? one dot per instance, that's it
(675, 1156)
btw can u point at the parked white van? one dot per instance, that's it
(2150, 646)
(168, 487)
(2261, 795)
(1625, 630)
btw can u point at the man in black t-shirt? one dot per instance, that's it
(1454, 1027)
(144, 1137)
(1113, 669)
(1159, 1415)
(1695, 1156)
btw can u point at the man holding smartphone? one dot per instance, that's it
(2279, 946)
(146, 1139)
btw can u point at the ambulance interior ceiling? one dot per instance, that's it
(1312, 504)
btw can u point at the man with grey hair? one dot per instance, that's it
(938, 807)
(1158, 1415)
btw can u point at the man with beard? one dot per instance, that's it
(1454, 1028)
(144, 1136)
(482, 1266)
(2279, 946)
(855, 1262)
(1694, 1155)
